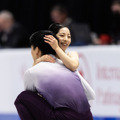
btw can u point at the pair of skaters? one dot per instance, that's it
(54, 88)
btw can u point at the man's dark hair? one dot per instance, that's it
(37, 40)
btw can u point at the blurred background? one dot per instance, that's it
(95, 30)
(36, 14)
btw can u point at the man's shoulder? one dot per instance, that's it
(42, 65)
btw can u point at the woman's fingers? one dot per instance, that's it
(51, 41)
(48, 42)
(49, 37)
(49, 58)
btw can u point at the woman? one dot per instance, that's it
(70, 59)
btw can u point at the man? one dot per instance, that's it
(114, 30)
(60, 94)
(12, 34)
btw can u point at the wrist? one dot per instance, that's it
(57, 49)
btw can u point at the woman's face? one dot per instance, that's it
(64, 38)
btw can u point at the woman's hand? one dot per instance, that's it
(44, 58)
(51, 41)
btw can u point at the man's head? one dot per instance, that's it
(115, 7)
(6, 20)
(38, 46)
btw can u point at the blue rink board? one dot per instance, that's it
(9, 117)
(106, 118)
(16, 117)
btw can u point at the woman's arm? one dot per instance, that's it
(44, 58)
(70, 60)
(90, 93)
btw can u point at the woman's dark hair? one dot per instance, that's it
(37, 40)
(55, 27)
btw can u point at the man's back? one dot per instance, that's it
(60, 86)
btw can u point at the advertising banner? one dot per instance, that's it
(99, 65)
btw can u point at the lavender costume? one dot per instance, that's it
(63, 94)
